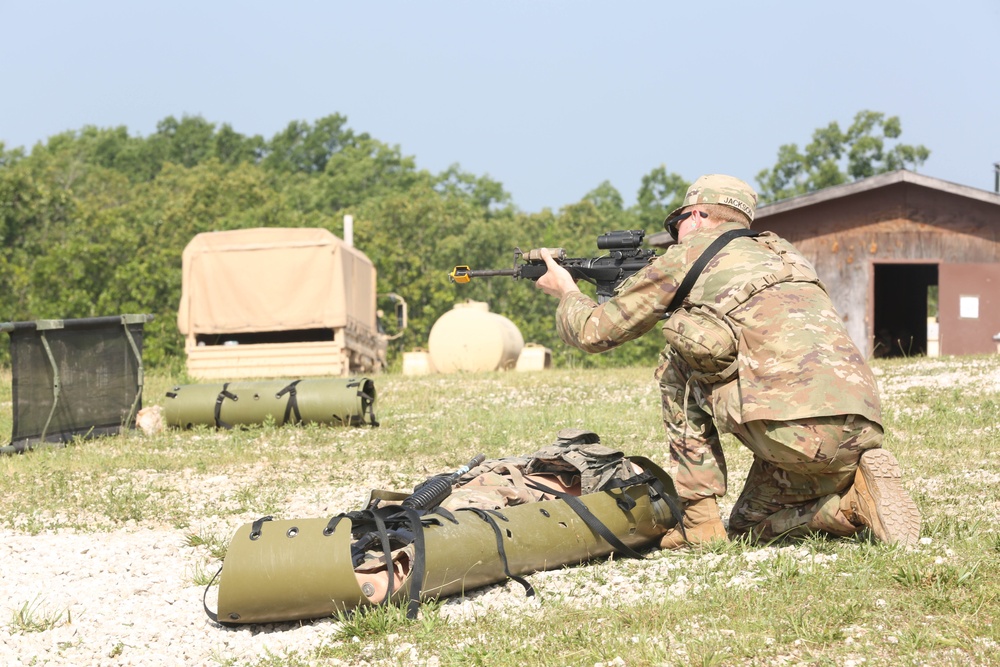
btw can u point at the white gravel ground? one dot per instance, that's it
(123, 598)
(128, 597)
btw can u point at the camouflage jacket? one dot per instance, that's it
(758, 329)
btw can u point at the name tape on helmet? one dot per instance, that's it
(738, 204)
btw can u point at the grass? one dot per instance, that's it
(215, 544)
(32, 616)
(814, 602)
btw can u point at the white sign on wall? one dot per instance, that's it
(968, 307)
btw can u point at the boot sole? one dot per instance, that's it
(884, 505)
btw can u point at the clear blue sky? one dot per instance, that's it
(549, 97)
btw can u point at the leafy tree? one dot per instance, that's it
(659, 193)
(28, 209)
(192, 140)
(366, 169)
(231, 147)
(834, 157)
(606, 199)
(414, 238)
(9, 157)
(485, 192)
(304, 147)
(186, 142)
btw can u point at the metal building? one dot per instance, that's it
(893, 248)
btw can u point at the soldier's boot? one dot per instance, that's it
(701, 525)
(878, 500)
(830, 518)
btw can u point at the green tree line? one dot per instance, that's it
(94, 221)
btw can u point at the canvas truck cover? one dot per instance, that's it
(274, 279)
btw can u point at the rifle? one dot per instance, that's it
(624, 257)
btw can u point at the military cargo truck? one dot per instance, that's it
(279, 302)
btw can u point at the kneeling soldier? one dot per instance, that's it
(754, 348)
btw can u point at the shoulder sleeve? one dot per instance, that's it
(639, 304)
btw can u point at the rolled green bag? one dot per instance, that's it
(286, 570)
(345, 401)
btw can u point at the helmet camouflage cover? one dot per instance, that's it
(720, 189)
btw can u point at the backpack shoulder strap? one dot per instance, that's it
(700, 264)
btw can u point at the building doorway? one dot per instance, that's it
(905, 300)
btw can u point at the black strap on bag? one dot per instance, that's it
(292, 406)
(204, 600)
(256, 530)
(488, 517)
(367, 400)
(419, 562)
(699, 265)
(657, 491)
(220, 399)
(386, 521)
(588, 518)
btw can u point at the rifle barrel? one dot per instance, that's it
(462, 274)
(486, 273)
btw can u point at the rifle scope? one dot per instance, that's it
(621, 240)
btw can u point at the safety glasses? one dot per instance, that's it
(675, 222)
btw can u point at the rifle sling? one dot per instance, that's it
(699, 265)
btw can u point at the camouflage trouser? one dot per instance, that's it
(799, 471)
(697, 465)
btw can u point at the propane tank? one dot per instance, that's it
(471, 338)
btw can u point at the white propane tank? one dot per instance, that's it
(471, 338)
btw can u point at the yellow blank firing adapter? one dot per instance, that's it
(460, 274)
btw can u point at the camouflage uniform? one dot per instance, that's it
(757, 351)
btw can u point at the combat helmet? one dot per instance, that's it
(719, 189)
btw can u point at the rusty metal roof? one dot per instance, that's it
(872, 183)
